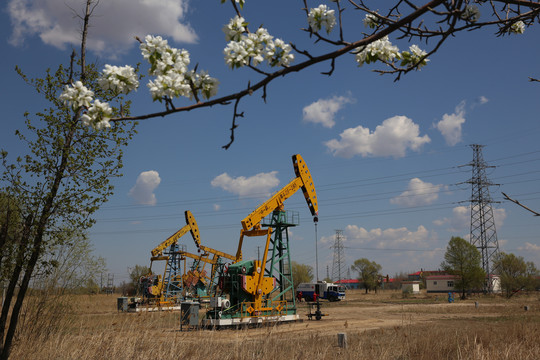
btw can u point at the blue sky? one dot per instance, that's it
(385, 156)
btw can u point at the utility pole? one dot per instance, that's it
(483, 233)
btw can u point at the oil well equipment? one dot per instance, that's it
(253, 292)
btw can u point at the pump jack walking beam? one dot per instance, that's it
(302, 181)
(191, 225)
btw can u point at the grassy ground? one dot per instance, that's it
(382, 326)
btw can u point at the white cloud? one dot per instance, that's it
(499, 215)
(418, 193)
(451, 124)
(482, 100)
(143, 191)
(530, 247)
(392, 138)
(460, 220)
(323, 110)
(388, 238)
(113, 24)
(259, 184)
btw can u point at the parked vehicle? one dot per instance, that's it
(322, 290)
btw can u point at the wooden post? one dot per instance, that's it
(342, 340)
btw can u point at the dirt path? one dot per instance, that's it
(352, 317)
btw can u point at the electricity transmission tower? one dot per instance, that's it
(110, 284)
(338, 264)
(328, 273)
(483, 233)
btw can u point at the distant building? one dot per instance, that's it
(440, 283)
(446, 283)
(410, 287)
(350, 283)
(422, 274)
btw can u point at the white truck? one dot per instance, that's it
(322, 289)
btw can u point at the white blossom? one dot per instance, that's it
(278, 53)
(121, 79)
(98, 115)
(153, 45)
(203, 83)
(413, 56)
(235, 28)
(371, 21)
(471, 13)
(249, 50)
(254, 48)
(235, 54)
(518, 27)
(381, 49)
(263, 36)
(170, 67)
(172, 85)
(76, 96)
(162, 57)
(321, 16)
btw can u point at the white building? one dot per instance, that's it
(440, 283)
(410, 287)
(446, 283)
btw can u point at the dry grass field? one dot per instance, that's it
(381, 326)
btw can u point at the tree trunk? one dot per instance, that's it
(38, 241)
(19, 261)
(20, 296)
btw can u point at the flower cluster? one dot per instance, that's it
(413, 57)
(235, 28)
(206, 84)
(172, 85)
(471, 13)
(371, 21)
(163, 58)
(170, 67)
(278, 53)
(119, 79)
(321, 16)
(77, 96)
(98, 115)
(254, 48)
(381, 49)
(518, 27)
